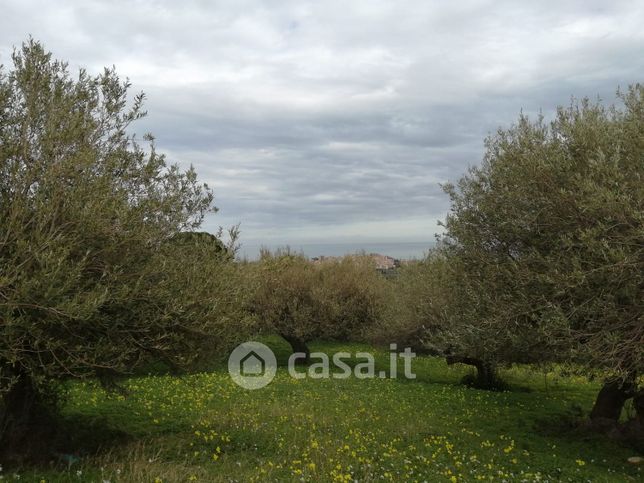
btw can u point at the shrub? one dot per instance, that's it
(302, 300)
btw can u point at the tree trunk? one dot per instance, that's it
(486, 374)
(610, 401)
(26, 422)
(636, 426)
(638, 404)
(298, 345)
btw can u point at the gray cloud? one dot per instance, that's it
(338, 120)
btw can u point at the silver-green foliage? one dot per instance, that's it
(549, 235)
(90, 280)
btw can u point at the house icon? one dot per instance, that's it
(252, 364)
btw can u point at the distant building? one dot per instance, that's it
(383, 263)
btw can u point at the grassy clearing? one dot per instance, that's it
(202, 427)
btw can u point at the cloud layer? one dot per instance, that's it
(336, 120)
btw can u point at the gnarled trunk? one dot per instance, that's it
(638, 404)
(486, 373)
(26, 421)
(610, 401)
(633, 429)
(298, 345)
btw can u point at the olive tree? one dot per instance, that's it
(353, 296)
(283, 297)
(548, 233)
(91, 281)
(302, 300)
(416, 305)
(427, 307)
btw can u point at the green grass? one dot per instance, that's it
(203, 427)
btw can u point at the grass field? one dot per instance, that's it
(202, 427)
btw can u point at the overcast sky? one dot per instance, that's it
(337, 120)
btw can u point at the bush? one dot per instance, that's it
(302, 300)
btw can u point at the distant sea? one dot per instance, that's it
(399, 250)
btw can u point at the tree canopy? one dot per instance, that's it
(89, 285)
(302, 300)
(549, 235)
